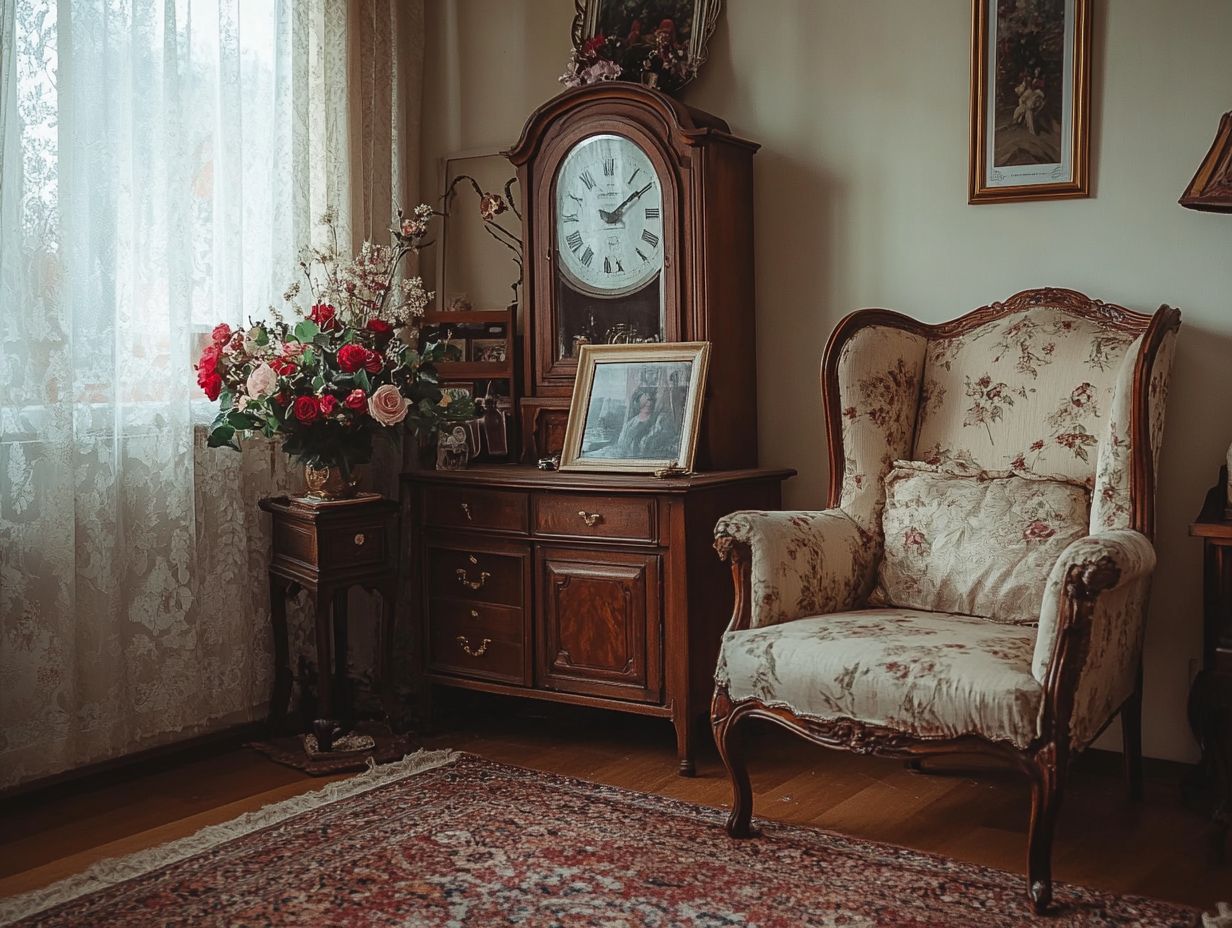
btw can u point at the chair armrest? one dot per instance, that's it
(787, 565)
(1089, 645)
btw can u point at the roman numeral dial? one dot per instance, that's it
(610, 229)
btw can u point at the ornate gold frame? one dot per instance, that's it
(591, 355)
(1078, 184)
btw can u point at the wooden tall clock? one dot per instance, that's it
(638, 227)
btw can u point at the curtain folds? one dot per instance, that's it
(161, 163)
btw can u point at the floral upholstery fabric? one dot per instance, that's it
(979, 544)
(1029, 392)
(803, 562)
(1110, 504)
(1118, 626)
(879, 386)
(930, 674)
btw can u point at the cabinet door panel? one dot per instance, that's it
(599, 623)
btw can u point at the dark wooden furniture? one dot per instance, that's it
(1210, 697)
(326, 550)
(1045, 762)
(703, 239)
(597, 590)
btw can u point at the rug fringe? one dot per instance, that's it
(108, 872)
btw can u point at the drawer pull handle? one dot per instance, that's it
(474, 652)
(466, 511)
(466, 581)
(590, 518)
(359, 540)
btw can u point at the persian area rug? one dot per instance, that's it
(448, 839)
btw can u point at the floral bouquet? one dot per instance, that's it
(657, 58)
(344, 370)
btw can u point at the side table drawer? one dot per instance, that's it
(577, 515)
(465, 508)
(478, 575)
(357, 546)
(477, 640)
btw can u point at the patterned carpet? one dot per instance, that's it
(448, 839)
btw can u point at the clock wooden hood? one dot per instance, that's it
(704, 289)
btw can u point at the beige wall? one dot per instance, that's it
(861, 107)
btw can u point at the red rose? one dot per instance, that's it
(327, 404)
(357, 399)
(380, 328)
(325, 316)
(221, 333)
(373, 362)
(282, 399)
(306, 409)
(211, 383)
(209, 359)
(282, 367)
(352, 357)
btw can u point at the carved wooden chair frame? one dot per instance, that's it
(1046, 759)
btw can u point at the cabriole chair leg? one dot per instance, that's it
(731, 744)
(1045, 804)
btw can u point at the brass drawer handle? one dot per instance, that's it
(590, 518)
(466, 581)
(359, 540)
(474, 652)
(466, 511)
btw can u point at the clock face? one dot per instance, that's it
(609, 217)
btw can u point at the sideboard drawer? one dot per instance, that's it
(576, 515)
(462, 507)
(477, 640)
(476, 575)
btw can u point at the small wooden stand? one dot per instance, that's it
(1210, 697)
(326, 550)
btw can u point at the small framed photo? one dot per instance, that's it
(1030, 100)
(458, 390)
(488, 349)
(636, 408)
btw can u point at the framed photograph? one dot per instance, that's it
(1030, 100)
(636, 408)
(458, 390)
(488, 349)
(627, 21)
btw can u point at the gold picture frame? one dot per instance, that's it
(1031, 111)
(636, 408)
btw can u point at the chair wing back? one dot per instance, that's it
(1048, 384)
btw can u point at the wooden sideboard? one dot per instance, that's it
(594, 589)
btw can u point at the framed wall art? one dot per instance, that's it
(1030, 99)
(636, 408)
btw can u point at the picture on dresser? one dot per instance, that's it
(636, 408)
(1030, 91)
(488, 349)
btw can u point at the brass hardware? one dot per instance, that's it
(359, 539)
(472, 559)
(466, 511)
(474, 613)
(474, 652)
(465, 580)
(590, 518)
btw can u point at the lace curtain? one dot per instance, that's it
(161, 162)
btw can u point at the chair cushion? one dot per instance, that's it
(930, 674)
(978, 543)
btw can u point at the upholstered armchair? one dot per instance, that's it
(979, 582)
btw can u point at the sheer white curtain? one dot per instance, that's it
(161, 161)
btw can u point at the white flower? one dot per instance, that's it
(262, 381)
(387, 405)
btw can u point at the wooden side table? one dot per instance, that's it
(326, 549)
(1210, 698)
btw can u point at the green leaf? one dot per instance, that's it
(308, 356)
(362, 381)
(318, 383)
(222, 436)
(306, 331)
(241, 421)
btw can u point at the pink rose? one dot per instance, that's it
(262, 381)
(1038, 531)
(387, 405)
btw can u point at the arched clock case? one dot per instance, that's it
(620, 180)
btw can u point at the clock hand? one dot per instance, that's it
(614, 215)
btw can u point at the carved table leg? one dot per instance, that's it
(385, 653)
(683, 720)
(1210, 717)
(325, 662)
(342, 685)
(282, 669)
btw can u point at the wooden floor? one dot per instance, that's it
(1157, 848)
